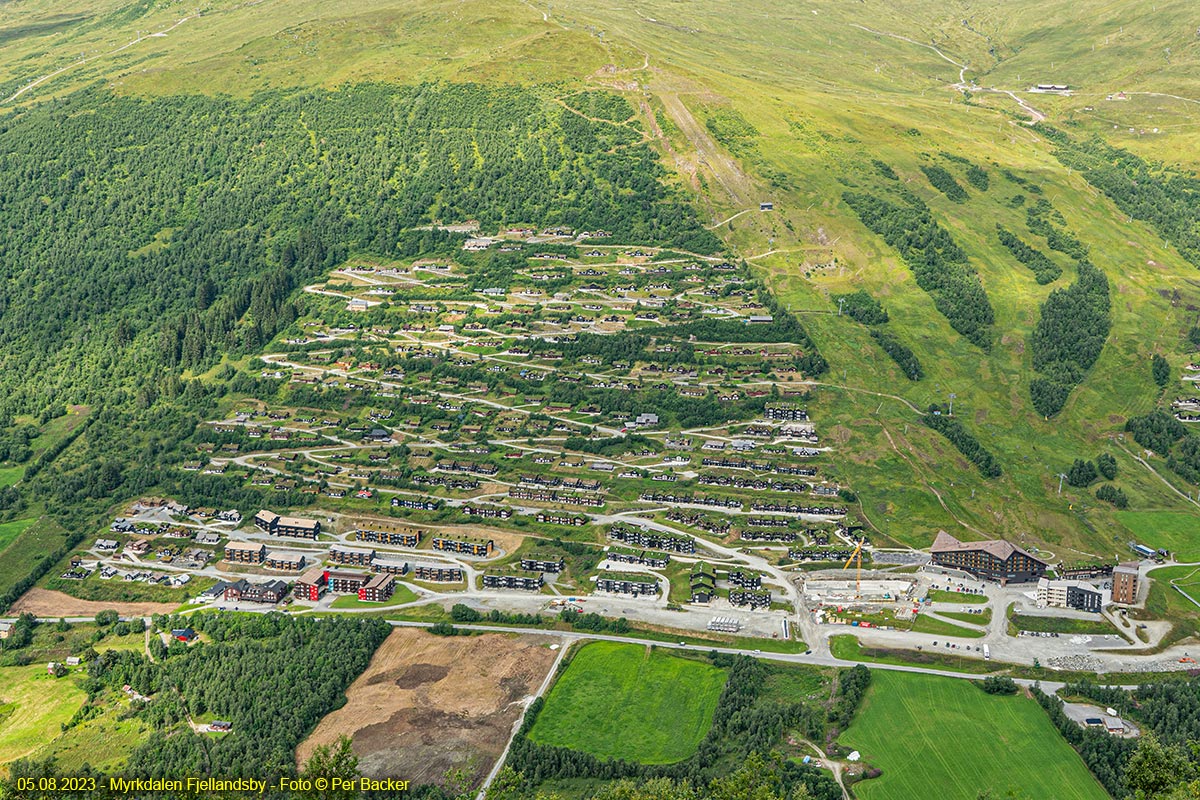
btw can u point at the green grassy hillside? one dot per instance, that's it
(767, 100)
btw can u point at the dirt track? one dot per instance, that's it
(708, 152)
(47, 603)
(429, 704)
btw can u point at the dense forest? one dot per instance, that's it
(939, 265)
(169, 230)
(249, 675)
(1069, 336)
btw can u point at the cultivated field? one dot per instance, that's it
(429, 704)
(48, 603)
(626, 701)
(925, 731)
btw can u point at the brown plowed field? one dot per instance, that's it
(429, 704)
(49, 603)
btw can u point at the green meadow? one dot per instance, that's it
(944, 736)
(630, 702)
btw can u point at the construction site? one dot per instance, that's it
(842, 589)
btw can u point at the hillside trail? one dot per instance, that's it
(707, 152)
(51, 75)
(1157, 474)
(933, 491)
(963, 85)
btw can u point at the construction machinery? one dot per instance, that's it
(856, 555)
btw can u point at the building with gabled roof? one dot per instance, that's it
(993, 559)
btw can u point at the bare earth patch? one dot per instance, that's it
(49, 603)
(429, 704)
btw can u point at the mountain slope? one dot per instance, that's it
(799, 105)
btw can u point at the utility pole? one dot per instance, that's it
(952, 396)
(840, 301)
(1061, 477)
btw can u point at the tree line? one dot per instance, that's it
(963, 440)
(1043, 269)
(1162, 195)
(939, 265)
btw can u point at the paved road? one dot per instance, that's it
(814, 658)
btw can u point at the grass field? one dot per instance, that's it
(1063, 625)
(402, 595)
(627, 701)
(964, 616)
(40, 704)
(941, 596)
(925, 731)
(104, 741)
(927, 624)
(1165, 601)
(39, 539)
(847, 647)
(1170, 530)
(9, 531)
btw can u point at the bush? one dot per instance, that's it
(1106, 465)
(905, 358)
(977, 176)
(1081, 473)
(106, 617)
(999, 684)
(862, 307)
(1160, 369)
(1111, 494)
(944, 182)
(1044, 270)
(464, 613)
(965, 441)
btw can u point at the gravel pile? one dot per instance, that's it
(1080, 663)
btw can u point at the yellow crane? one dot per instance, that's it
(857, 554)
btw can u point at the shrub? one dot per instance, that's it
(1081, 473)
(999, 684)
(1160, 369)
(1106, 465)
(1111, 494)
